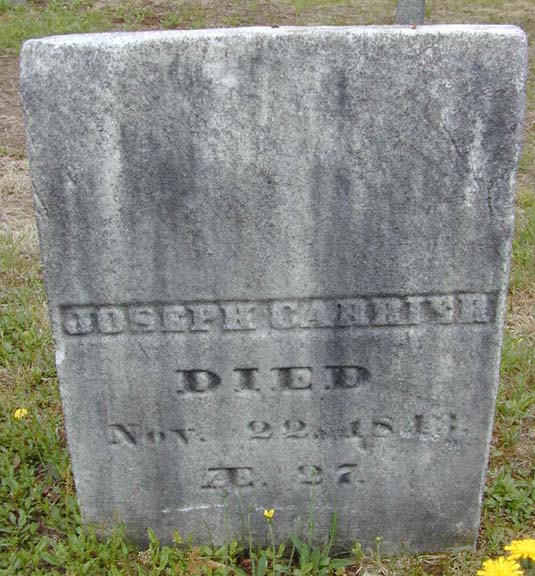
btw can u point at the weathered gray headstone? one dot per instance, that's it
(410, 12)
(276, 263)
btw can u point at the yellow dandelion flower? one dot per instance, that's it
(522, 549)
(500, 567)
(20, 413)
(269, 513)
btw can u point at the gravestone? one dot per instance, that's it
(410, 12)
(276, 263)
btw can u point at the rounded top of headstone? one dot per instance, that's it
(124, 38)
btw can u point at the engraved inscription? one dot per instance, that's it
(473, 309)
(246, 379)
(284, 315)
(344, 475)
(347, 376)
(229, 317)
(347, 474)
(310, 474)
(353, 312)
(136, 434)
(198, 381)
(238, 316)
(259, 429)
(382, 427)
(389, 312)
(436, 426)
(202, 316)
(294, 429)
(228, 477)
(288, 429)
(294, 378)
(77, 321)
(111, 320)
(440, 309)
(299, 378)
(175, 319)
(142, 318)
(123, 434)
(366, 430)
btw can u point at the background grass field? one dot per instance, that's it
(40, 530)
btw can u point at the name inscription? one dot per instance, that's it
(305, 314)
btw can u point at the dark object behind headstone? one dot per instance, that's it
(410, 12)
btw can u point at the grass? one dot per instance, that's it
(20, 22)
(12, 153)
(524, 270)
(40, 526)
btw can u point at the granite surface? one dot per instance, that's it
(410, 12)
(276, 263)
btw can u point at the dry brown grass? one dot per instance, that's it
(16, 204)
(11, 125)
(521, 312)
